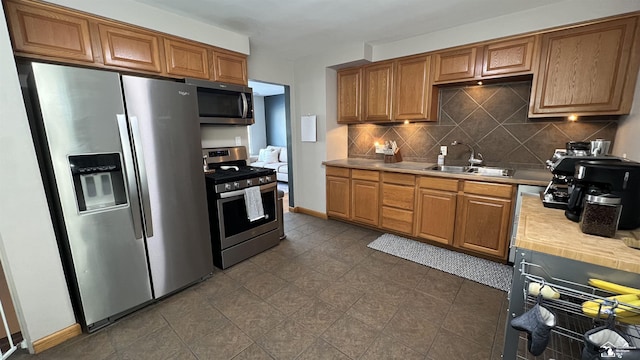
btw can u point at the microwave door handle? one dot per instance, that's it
(245, 105)
(127, 154)
(144, 184)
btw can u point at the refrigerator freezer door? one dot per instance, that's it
(166, 134)
(79, 108)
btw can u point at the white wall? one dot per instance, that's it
(315, 91)
(160, 20)
(627, 142)
(566, 12)
(28, 249)
(258, 130)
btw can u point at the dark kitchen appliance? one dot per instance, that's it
(621, 179)
(119, 157)
(234, 237)
(562, 166)
(223, 104)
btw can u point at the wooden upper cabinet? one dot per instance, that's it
(129, 48)
(377, 91)
(48, 31)
(186, 59)
(588, 69)
(508, 57)
(349, 95)
(229, 67)
(412, 95)
(457, 64)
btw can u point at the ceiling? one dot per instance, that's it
(300, 28)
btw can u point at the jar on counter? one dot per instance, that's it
(600, 215)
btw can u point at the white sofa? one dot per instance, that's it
(273, 157)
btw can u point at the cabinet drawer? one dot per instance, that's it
(488, 189)
(439, 183)
(337, 171)
(365, 175)
(397, 219)
(399, 196)
(395, 178)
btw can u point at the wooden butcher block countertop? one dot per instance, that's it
(549, 231)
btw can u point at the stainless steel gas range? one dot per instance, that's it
(229, 182)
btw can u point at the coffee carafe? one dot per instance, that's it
(621, 179)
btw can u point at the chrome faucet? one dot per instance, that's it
(472, 159)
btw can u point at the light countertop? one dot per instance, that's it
(520, 177)
(549, 231)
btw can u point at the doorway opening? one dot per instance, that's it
(272, 129)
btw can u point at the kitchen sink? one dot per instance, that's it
(491, 171)
(449, 168)
(478, 170)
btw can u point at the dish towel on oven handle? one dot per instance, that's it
(253, 203)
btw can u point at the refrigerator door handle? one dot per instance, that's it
(131, 177)
(144, 185)
(245, 105)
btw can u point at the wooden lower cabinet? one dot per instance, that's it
(436, 215)
(365, 201)
(482, 225)
(398, 203)
(338, 192)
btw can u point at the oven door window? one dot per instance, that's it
(235, 214)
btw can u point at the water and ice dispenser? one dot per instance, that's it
(98, 180)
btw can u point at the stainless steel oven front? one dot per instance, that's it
(234, 237)
(235, 226)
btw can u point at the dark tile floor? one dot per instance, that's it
(320, 294)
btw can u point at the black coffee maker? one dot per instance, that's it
(621, 179)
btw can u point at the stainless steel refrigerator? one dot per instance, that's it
(122, 164)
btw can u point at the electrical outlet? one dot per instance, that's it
(443, 150)
(238, 141)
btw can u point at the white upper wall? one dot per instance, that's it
(568, 12)
(626, 142)
(28, 247)
(161, 20)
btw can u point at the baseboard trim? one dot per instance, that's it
(301, 210)
(56, 338)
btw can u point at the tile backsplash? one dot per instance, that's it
(492, 119)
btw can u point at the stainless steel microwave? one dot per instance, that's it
(223, 104)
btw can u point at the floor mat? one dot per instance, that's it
(470, 267)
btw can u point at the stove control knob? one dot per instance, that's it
(227, 186)
(249, 182)
(236, 185)
(261, 180)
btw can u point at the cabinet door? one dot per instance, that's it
(412, 89)
(126, 47)
(508, 57)
(186, 59)
(43, 30)
(378, 85)
(229, 67)
(436, 215)
(587, 70)
(349, 92)
(364, 201)
(397, 220)
(338, 197)
(456, 65)
(483, 225)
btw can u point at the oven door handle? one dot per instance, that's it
(230, 194)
